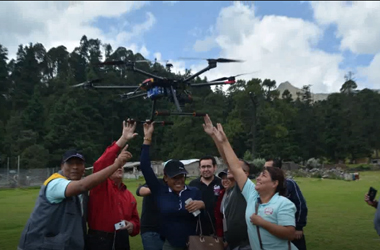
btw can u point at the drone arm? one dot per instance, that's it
(175, 99)
(212, 83)
(114, 87)
(127, 97)
(210, 66)
(146, 73)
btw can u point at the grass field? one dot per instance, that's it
(338, 216)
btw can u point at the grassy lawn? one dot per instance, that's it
(338, 217)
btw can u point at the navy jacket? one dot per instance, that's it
(295, 195)
(176, 223)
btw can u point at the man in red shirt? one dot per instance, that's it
(111, 203)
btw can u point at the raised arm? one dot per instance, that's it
(110, 154)
(209, 129)
(89, 182)
(145, 164)
(231, 159)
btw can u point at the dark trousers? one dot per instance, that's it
(301, 243)
(105, 241)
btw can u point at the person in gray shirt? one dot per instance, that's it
(233, 205)
(376, 220)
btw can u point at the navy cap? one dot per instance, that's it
(173, 168)
(72, 153)
(223, 172)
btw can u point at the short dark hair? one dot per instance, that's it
(208, 157)
(250, 166)
(277, 162)
(277, 174)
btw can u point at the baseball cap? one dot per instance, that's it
(223, 172)
(173, 168)
(72, 153)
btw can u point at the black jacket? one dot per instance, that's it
(295, 195)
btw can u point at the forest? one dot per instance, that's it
(42, 116)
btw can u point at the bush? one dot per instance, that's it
(248, 156)
(259, 163)
(313, 163)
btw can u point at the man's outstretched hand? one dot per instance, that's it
(207, 126)
(129, 130)
(123, 157)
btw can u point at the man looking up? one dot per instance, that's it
(57, 218)
(111, 202)
(209, 185)
(295, 195)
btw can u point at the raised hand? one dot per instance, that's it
(219, 133)
(129, 130)
(148, 129)
(207, 126)
(124, 156)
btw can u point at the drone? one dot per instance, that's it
(157, 87)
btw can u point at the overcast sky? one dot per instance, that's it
(314, 43)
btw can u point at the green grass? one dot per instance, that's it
(338, 216)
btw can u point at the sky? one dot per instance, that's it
(304, 43)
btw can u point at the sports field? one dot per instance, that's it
(338, 216)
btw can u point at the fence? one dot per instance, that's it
(18, 177)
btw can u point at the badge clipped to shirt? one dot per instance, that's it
(216, 190)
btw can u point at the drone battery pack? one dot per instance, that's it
(155, 92)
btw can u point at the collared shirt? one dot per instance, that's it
(176, 223)
(210, 194)
(279, 210)
(109, 204)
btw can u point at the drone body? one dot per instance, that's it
(157, 87)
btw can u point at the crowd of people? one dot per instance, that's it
(99, 212)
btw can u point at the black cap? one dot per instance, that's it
(223, 172)
(173, 168)
(73, 153)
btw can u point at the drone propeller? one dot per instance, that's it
(227, 78)
(218, 60)
(87, 83)
(119, 62)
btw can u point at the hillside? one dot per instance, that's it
(293, 90)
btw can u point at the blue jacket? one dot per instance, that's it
(176, 223)
(295, 195)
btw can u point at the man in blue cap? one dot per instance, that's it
(58, 218)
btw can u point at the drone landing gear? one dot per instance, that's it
(168, 113)
(163, 123)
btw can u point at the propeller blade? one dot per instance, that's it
(145, 60)
(87, 83)
(219, 60)
(226, 78)
(225, 60)
(112, 63)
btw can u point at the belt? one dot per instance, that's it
(101, 233)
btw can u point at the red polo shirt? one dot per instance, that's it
(108, 204)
